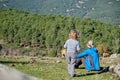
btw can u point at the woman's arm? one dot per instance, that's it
(82, 54)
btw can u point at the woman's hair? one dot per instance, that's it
(74, 34)
(90, 43)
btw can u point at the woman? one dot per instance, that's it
(90, 57)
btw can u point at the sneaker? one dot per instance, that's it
(73, 75)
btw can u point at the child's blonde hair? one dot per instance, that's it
(74, 34)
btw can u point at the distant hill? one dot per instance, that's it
(104, 10)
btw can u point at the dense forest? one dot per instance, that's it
(51, 31)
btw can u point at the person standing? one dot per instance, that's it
(72, 47)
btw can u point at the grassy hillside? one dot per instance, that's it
(104, 10)
(56, 69)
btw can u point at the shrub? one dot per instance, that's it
(52, 53)
(103, 48)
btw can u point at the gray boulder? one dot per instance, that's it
(115, 69)
(7, 73)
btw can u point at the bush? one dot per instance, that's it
(52, 53)
(103, 48)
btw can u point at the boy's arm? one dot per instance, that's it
(65, 45)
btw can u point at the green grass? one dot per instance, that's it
(50, 69)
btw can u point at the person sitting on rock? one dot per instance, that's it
(89, 57)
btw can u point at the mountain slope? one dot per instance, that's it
(105, 10)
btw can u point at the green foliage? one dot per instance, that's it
(52, 53)
(0, 47)
(51, 31)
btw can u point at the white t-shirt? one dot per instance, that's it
(72, 45)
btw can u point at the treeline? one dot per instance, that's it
(51, 31)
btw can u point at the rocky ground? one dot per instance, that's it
(7, 73)
(113, 64)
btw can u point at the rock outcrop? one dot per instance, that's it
(7, 73)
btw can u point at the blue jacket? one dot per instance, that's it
(95, 57)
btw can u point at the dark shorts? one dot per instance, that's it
(82, 60)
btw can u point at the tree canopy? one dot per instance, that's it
(51, 31)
